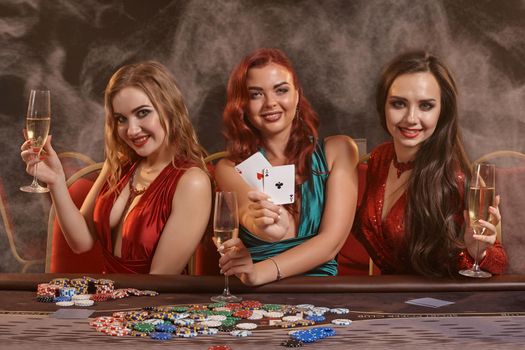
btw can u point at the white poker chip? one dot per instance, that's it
(321, 309)
(342, 322)
(274, 314)
(246, 325)
(339, 310)
(241, 333)
(208, 331)
(81, 297)
(86, 302)
(211, 323)
(65, 303)
(216, 317)
(180, 315)
(305, 306)
(223, 308)
(183, 322)
(256, 316)
(291, 318)
(154, 321)
(314, 312)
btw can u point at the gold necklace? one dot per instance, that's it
(133, 192)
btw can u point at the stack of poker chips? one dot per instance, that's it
(83, 291)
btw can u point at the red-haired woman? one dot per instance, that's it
(412, 216)
(266, 111)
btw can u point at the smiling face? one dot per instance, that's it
(272, 99)
(138, 123)
(412, 110)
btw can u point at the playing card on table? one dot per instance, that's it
(251, 170)
(279, 183)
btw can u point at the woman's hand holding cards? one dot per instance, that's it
(270, 219)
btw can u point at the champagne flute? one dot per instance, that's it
(481, 194)
(225, 227)
(38, 120)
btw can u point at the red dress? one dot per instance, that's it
(384, 240)
(142, 227)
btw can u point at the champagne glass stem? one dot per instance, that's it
(475, 267)
(226, 291)
(35, 181)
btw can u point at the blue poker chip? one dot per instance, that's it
(316, 318)
(165, 327)
(160, 335)
(61, 298)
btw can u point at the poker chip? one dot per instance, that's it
(291, 318)
(212, 323)
(144, 327)
(339, 310)
(209, 331)
(246, 325)
(224, 328)
(271, 307)
(65, 303)
(242, 313)
(184, 332)
(216, 305)
(292, 343)
(62, 298)
(241, 333)
(138, 334)
(84, 303)
(81, 297)
(45, 299)
(216, 318)
(165, 327)
(219, 347)
(316, 318)
(256, 316)
(342, 321)
(183, 322)
(274, 314)
(179, 309)
(160, 336)
(305, 306)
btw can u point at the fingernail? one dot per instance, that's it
(269, 200)
(221, 271)
(280, 210)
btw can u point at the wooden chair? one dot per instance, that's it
(510, 180)
(59, 257)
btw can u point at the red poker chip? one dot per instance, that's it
(242, 313)
(219, 347)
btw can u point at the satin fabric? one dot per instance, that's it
(385, 239)
(142, 227)
(312, 205)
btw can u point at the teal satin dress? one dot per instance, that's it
(312, 205)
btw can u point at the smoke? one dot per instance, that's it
(337, 47)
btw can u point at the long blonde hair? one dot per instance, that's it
(162, 90)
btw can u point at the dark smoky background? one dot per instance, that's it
(338, 48)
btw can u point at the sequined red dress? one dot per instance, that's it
(384, 240)
(142, 227)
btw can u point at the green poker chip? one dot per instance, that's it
(214, 305)
(144, 327)
(271, 307)
(224, 313)
(179, 309)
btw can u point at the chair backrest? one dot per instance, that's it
(59, 257)
(205, 259)
(353, 259)
(510, 181)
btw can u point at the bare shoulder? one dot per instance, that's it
(194, 179)
(341, 146)
(224, 164)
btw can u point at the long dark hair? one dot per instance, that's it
(432, 228)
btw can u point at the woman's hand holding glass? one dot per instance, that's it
(237, 260)
(488, 238)
(47, 162)
(270, 219)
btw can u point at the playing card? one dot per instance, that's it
(279, 183)
(429, 302)
(251, 170)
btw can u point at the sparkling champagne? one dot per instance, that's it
(37, 131)
(222, 236)
(479, 201)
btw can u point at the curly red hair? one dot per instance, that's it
(243, 139)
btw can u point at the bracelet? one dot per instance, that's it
(279, 276)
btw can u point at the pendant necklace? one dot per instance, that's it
(402, 167)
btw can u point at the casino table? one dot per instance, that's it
(485, 313)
